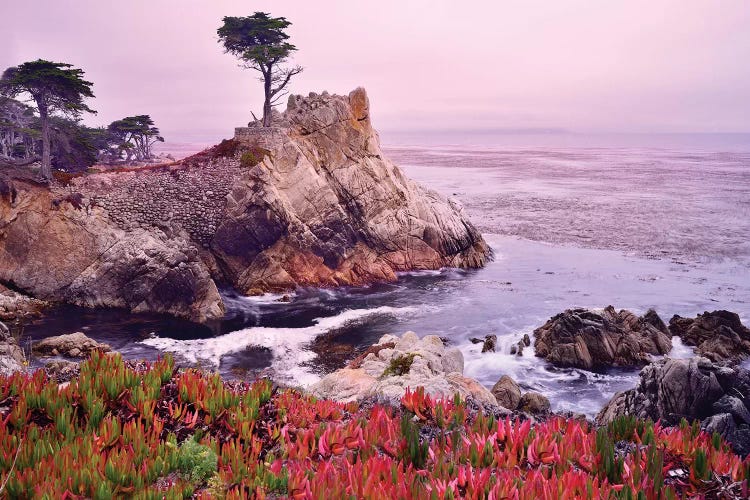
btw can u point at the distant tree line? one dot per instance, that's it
(48, 128)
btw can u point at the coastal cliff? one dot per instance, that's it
(309, 202)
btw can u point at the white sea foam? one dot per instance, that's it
(287, 345)
(680, 350)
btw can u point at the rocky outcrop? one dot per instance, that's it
(489, 343)
(411, 362)
(74, 345)
(15, 306)
(534, 403)
(326, 208)
(60, 251)
(312, 202)
(508, 395)
(672, 389)
(718, 335)
(507, 392)
(11, 355)
(588, 339)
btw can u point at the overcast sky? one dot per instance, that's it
(581, 65)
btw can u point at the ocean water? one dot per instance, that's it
(637, 222)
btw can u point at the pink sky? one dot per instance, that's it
(583, 65)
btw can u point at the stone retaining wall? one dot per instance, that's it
(177, 197)
(264, 137)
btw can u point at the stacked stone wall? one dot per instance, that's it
(264, 137)
(177, 197)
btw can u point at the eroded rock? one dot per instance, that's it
(396, 363)
(489, 343)
(718, 335)
(16, 306)
(326, 208)
(672, 389)
(74, 345)
(12, 358)
(81, 257)
(535, 403)
(587, 339)
(507, 392)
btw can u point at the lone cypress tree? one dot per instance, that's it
(259, 41)
(54, 87)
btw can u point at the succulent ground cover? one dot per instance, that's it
(150, 431)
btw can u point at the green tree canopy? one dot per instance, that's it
(135, 136)
(55, 88)
(260, 42)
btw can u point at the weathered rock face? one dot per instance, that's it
(589, 339)
(16, 306)
(57, 252)
(410, 362)
(534, 403)
(672, 389)
(74, 345)
(11, 355)
(312, 203)
(718, 335)
(507, 392)
(326, 208)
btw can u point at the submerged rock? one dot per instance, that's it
(672, 389)
(718, 335)
(587, 339)
(411, 362)
(74, 345)
(489, 343)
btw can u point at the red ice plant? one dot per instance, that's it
(115, 431)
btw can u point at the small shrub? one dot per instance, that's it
(197, 462)
(225, 149)
(400, 365)
(253, 157)
(65, 178)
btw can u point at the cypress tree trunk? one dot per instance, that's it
(46, 170)
(267, 101)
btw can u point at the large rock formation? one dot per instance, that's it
(54, 249)
(718, 335)
(395, 364)
(326, 208)
(672, 389)
(311, 203)
(588, 339)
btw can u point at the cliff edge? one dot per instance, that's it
(309, 202)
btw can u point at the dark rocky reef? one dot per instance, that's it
(589, 339)
(719, 335)
(672, 389)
